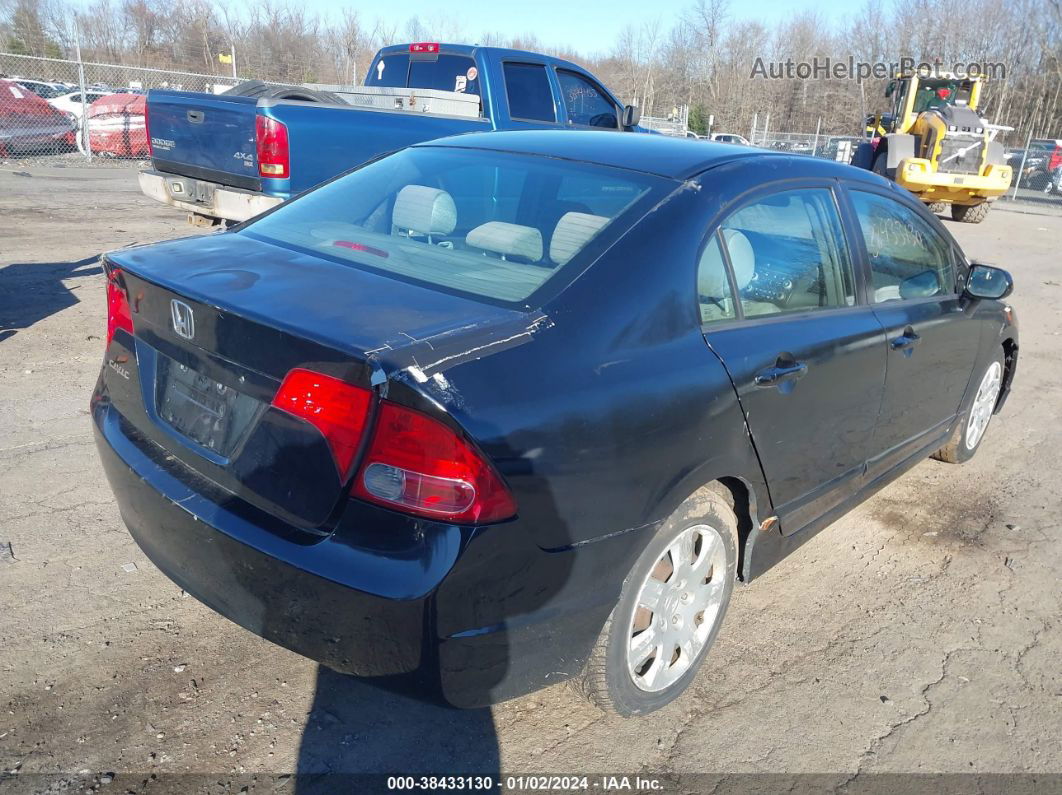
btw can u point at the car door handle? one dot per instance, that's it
(781, 373)
(906, 341)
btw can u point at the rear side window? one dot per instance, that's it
(714, 292)
(788, 253)
(586, 103)
(527, 89)
(908, 259)
(479, 222)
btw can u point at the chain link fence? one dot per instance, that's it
(52, 107)
(1036, 163)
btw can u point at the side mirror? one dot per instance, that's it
(632, 114)
(890, 88)
(989, 283)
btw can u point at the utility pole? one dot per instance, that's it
(234, 61)
(82, 131)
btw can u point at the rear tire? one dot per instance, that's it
(970, 430)
(670, 609)
(970, 213)
(937, 208)
(881, 165)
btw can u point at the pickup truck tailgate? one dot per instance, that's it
(204, 136)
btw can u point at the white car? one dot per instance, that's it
(71, 103)
(730, 138)
(43, 89)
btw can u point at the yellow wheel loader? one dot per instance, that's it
(936, 144)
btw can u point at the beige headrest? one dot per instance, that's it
(424, 210)
(574, 230)
(510, 240)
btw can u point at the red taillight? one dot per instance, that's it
(418, 465)
(147, 129)
(272, 140)
(424, 46)
(119, 315)
(337, 409)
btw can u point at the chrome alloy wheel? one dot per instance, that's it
(983, 405)
(678, 605)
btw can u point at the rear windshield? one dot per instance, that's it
(439, 71)
(489, 224)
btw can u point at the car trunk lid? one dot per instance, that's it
(221, 320)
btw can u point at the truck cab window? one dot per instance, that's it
(444, 73)
(587, 104)
(528, 91)
(390, 71)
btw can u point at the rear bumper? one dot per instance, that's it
(232, 204)
(471, 616)
(917, 175)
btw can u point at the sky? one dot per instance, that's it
(587, 26)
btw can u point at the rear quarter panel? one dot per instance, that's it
(613, 409)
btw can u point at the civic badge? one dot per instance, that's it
(183, 319)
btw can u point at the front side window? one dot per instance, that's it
(908, 259)
(586, 103)
(788, 253)
(528, 91)
(477, 222)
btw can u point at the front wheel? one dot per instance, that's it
(971, 429)
(669, 612)
(970, 213)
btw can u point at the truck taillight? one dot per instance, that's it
(119, 315)
(417, 465)
(424, 47)
(271, 137)
(147, 129)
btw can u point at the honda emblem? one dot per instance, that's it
(183, 319)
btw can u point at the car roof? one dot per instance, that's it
(662, 155)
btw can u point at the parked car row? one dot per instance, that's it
(1040, 167)
(37, 117)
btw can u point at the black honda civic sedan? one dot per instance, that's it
(502, 410)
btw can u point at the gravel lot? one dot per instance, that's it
(918, 634)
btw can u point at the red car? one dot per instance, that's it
(29, 125)
(116, 125)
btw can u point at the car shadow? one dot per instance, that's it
(33, 291)
(360, 730)
(356, 729)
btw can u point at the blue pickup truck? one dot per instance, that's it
(230, 157)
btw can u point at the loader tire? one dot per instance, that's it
(881, 165)
(970, 213)
(937, 208)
